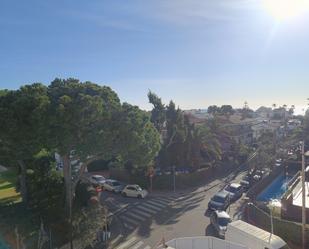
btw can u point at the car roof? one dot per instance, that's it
(222, 214)
(223, 194)
(132, 185)
(111, 180)
(97, 176)
(235, 185)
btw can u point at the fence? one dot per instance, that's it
(202, 243)
(287, 230)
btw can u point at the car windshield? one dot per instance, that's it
(217, 198)
(138, 188)
(231, 189)
(223, 221)
(115, 183)
(98, 178)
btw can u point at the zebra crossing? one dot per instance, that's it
(143, 211)
(136, 215)
(134, 243)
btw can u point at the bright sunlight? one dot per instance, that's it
(286, 9)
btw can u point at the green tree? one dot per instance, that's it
(138, 141)
(158, 113)
(45, 187)
(79, 118)
(305, 128)
(210, 145)
(213, 109)
(226, 110)
(22, 133)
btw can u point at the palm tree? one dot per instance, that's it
(210, 143)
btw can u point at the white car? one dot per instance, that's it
(219, 220)
(113, 186)
(134, 191)
(97, 180)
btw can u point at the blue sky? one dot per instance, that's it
(196, 52)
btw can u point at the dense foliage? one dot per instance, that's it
(69, 115)
(183, 143)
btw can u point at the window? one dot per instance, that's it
(220, 199)
(223, 221)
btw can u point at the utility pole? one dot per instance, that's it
(303, 195)
(271, 224)
(174, 178)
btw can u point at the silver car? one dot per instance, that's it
(113, 186)
(219, 220)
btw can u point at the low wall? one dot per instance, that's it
(183, 181)
(163, 182)
(292, 212)
(287, 230)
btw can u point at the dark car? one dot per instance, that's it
(235, 191)
(220, 201)
(245, 184)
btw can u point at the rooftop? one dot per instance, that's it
(297, 194)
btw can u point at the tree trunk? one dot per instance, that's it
(67, 173)
(23, 185)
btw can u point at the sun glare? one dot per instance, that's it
(286, 9)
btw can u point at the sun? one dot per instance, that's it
(285, 9)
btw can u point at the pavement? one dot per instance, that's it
(142, 224)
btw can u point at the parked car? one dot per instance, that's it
(279, 160)
(220, 201)
(134, 191)
(219, 220)
(245, 184)
(183, 170)
(97, 180)
(113, 186)
(235, 191)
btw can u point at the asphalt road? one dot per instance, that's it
(144, 223)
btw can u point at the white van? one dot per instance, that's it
(253, 237)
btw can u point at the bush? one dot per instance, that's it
(84, 192)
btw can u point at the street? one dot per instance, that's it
(144, 223)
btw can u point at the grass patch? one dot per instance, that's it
(13, 213)
(8, 192)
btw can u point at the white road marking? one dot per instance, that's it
(142, 213)
(139, 244)
(138, 217)
(157, 204)
(152, 206)
(162, 201)
(147, 210)
(127, 243)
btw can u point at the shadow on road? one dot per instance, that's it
(208, 213)
(210, 231)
